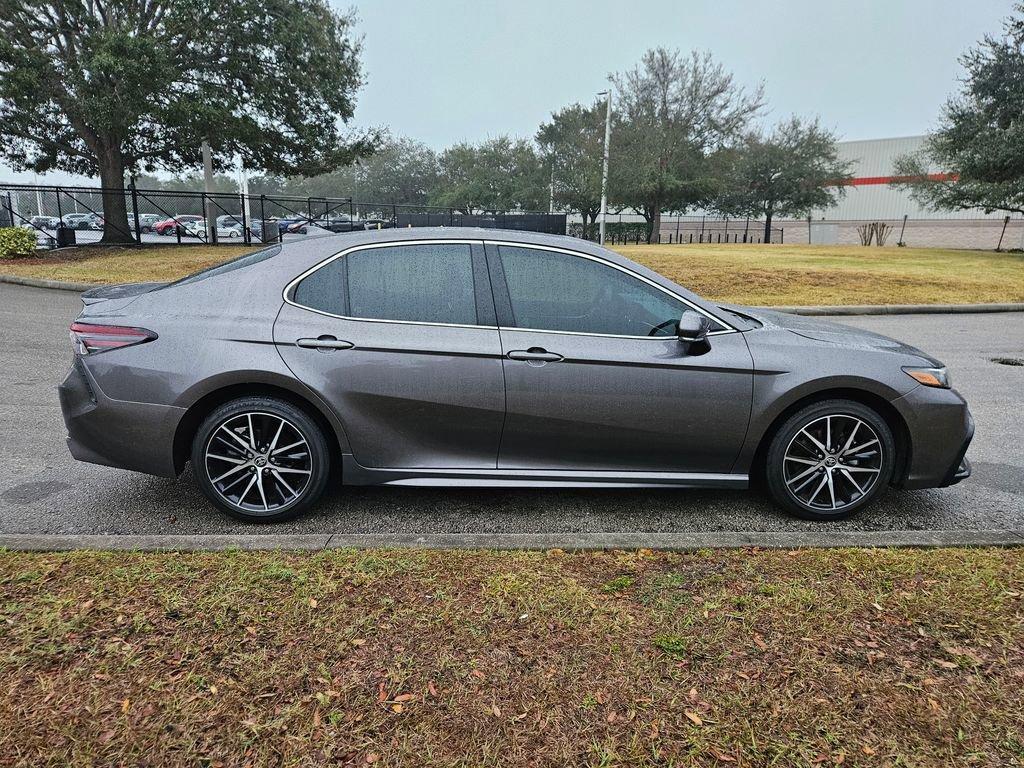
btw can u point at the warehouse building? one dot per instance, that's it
(871, 198)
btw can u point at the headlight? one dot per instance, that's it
(930, 377)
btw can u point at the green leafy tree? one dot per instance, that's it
(572, 145)
(126, 86)
(975, 158)
(673, 113)
(192, 182)
(789, 172)
(402, 171)
(497, 175)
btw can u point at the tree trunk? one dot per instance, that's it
(654, 233)
(768, 226)
(115, 208)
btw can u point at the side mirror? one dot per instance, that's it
(693, 327)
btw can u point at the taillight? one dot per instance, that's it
(89, 338)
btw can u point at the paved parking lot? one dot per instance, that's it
(43, 491)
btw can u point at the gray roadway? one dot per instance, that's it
(42, 490)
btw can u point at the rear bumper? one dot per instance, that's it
(116, 433)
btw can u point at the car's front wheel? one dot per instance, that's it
(830, 460)
(260, 459)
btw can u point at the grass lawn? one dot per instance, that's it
(728, 658)
(775, 275)
(746, 274)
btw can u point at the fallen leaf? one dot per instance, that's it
(359, 641)
(405, 697)
(495, 711)
(396, 707)
(693, 694)
(431, 688)
(867, 750)
(478, 673)
(313, 603)
(601, 699)
(213, 689)
(316, 719)
(694, 718)
(372, 757)
(759, 642)
(125, 705)
(611, 717)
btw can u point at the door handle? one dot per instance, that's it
(534, 355)
(325, 343)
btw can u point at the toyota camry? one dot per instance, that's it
(492, 358)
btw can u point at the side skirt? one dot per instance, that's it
(354, 473)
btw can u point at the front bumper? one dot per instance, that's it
(116, 433)
(941, 429)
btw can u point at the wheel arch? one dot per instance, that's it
(892, 417)
(189, 423)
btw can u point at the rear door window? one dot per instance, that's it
(423, 283)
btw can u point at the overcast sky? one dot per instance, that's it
(453, 70)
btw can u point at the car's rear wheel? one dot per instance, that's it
(260, 459)
(830, 460)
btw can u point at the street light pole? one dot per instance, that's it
(604, 165)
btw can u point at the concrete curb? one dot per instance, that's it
(900, 309)
(57, 285)
(529, 541)
(824, 310)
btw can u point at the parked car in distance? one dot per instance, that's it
(493, 358)
(229, 227)
(44, 222)
(339, 223)
(83, 221)
(195, 228)
(72, 220)
(294, 225)
(179, 222)
(148, 222)
(91, 221)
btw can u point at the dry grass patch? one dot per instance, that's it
(773, 275)
(421, 658)
(746, 274)
(105, 265)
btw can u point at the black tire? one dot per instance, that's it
(857, 478)
(287, 482)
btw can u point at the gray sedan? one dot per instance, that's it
(491, 358)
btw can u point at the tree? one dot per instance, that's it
(975, 158)
(572, 146)
(105, 88)
(497, 175)
(673, 112)
(789, 172)
(402, 171)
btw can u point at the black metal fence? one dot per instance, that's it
(209, 218)
(625, 229)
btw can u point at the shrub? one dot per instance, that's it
(16, 242)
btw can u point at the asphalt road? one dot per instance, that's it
(42, 490)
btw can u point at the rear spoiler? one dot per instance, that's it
(124, 291)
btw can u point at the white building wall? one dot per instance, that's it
(870, 198)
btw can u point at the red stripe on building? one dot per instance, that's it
(867, 180)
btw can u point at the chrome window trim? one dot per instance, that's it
(728, 328)
(447, 241)
(470, 241)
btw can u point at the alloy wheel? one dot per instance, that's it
(258, 462)
(832, 462)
